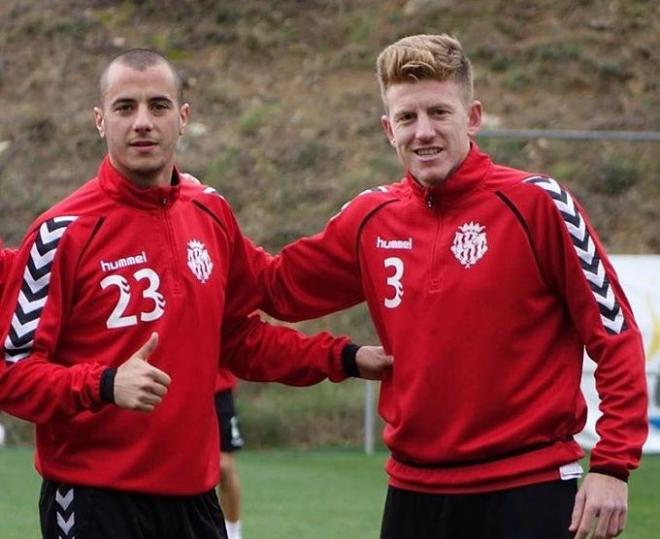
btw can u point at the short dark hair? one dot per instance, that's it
(140, 60)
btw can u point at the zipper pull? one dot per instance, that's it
(429, 199)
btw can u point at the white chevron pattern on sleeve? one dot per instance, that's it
(34, 288)
(611, 314)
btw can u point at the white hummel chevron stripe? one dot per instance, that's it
(66, 525)
(614, 325)
(36, 285)
(568, 206)
(65, 219)
(588, 255)
(608, 300)
(596, 276)
(64, 501)
(30, 306)
(47, 236)
(578, 232)
(23, 328)
(17, 357)
(40, 260)
(10, 347)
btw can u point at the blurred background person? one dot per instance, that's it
(231, 441)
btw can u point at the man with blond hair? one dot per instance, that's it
(486, 284)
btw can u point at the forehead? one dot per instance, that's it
(422, 94)
(126, 82)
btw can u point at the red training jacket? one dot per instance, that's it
(485, 289)
(93, 278)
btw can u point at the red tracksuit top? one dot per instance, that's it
(485, 289)
(93, 278)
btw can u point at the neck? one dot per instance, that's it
(162, 178)
(145, 179)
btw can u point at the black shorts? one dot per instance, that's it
(230, 434)
(541, 511)
(68, 511)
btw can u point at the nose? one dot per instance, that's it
(424, 128)
(143, 120)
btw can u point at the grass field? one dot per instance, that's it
(321, 494)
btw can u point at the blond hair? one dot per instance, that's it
(436, 57)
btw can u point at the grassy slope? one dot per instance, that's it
(310, 495)
(287, 109)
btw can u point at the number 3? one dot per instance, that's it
(394, 281)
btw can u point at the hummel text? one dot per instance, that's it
(393, 244)
(124, 262)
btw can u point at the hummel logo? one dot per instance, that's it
(394, 244)
(124, 262)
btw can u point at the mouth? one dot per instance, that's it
(428, 152)
(142, 144)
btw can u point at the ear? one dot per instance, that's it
(474, 118)
(99, 121)
(387, 127)
(184, 115)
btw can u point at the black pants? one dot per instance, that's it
(92, 513)
(540, 511)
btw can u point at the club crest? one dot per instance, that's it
(470, 244)
(199, 260)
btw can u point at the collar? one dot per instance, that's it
(467, 177)
(121, 189)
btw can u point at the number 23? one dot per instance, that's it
(117, 318)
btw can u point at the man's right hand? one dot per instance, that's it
(138, 385)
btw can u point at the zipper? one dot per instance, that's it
(434, 284)
(169, 234)
(435, 272)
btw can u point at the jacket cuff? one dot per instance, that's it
(348, 360)
(107, 389)
(618, 474)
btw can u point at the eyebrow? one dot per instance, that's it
(402, 112)
(127, 100)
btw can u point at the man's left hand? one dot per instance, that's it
(372, 362)
(601, 500)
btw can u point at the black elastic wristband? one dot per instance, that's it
(348, 360)
(623, 476)
(108, 385)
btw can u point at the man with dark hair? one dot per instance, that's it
(121, 299)
(486, 284)
(140, 60)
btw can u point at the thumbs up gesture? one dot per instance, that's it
(138, 385)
